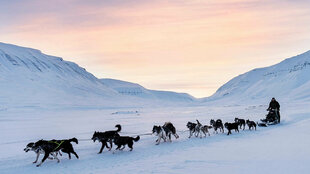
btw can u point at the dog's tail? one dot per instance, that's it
(74, 140)
(136, 139)
(119, 127)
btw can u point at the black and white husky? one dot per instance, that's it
(164, 132)
(218, 124)
(105, 137)
(52, 147)
(193, 129)
(31, 147)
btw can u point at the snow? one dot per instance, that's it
(276, 149)
(46, 97)
(30, 78)
(286, 80)
(133, 89)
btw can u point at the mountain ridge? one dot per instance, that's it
(279, 80)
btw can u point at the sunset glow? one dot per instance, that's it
(185, 46)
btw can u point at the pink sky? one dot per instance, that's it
(185, 46)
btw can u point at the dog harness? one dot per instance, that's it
(58, 144)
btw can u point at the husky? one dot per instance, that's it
(218, 124)
(164, 132)
(202, 129)
(52, 147)
(193, 129)
(160, 133)
(230, 126)
(251, 124)
(241, 122)
(31, 147)
(120, 141)
(105, 137)
(170, 130)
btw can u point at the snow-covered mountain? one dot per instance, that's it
(133, 89)
(29, 78)
(287, 80)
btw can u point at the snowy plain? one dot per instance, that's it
(281, 148)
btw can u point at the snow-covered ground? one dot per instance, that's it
(46, 97)
(281, 148)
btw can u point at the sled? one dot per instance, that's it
(272, 118)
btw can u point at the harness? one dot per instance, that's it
(58, 144)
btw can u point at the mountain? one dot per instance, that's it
(287, 80)
(29, 78)
(133, 89)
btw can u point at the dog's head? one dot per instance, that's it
(226, 125)
(29, 146)
(156, 129)
(212, 122)
(236, 119)
(189, 125)
(95, 136)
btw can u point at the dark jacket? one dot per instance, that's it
(274, 105)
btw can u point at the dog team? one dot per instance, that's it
(107, 138)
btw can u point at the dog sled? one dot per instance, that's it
(272, 118)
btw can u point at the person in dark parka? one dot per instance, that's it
(274, 105)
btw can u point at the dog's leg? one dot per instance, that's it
(51, 158)
(203, 131)
(110, 144)
(130, 146)
(190, 134)
(122, 148)
(102, 147)
(38, 154)
(44, 158)
(75, 154)
(164, 137)
(170, 137)
(55, 156)
(117, 148)
(158, 140)
(176, 136)
(69, 154)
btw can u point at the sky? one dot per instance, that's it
(191, 46)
